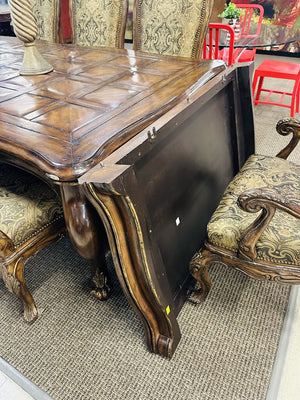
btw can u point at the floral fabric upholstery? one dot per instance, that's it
(99, 22)
(172, 27)
(46, 13)
(27, 204)
(280, 242)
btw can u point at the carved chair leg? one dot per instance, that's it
(13, 277)
(199, 270)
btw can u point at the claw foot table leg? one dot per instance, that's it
(88, 236)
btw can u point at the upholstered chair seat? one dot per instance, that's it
(280, 241)
(256, 226)
(31, 217)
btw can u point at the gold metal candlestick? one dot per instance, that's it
(25, 29)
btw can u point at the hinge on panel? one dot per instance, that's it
(152, 135)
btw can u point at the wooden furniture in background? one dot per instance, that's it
(267, 246)
(66, 125)
(5, 27)
(95, 23)
(218, 7)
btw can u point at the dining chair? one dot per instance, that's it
(99, 22)
(264, 246)
(212, 47)
(252, 13)
(277, 69)
(171, 27)
(31, 218)
(47, 16)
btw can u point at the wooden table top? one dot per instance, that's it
(63, 123)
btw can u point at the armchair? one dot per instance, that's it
(267, 246)
(31, 218)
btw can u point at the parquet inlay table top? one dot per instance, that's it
(65, 122)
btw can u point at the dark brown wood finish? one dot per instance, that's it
(89, 117)
(156, 193)
(62, 124)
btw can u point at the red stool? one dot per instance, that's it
(281, 70)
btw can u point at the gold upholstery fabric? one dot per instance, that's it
(99, 22)
(27, 204)
(171, 27)
(280, 242)
(46, 14)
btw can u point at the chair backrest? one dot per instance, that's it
(47, 16)
(99, 22)
(171, 27)
(251, 11)
(212, 42)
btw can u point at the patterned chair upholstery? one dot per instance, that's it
(47, 16)
(265, 246)
(99, 22)
(31, 217)
(171, 27)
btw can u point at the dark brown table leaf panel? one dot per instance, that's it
(157, 192)
(62, 125)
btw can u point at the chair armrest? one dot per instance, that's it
(286, 127)
(267, 201)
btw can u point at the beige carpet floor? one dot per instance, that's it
(83, 349)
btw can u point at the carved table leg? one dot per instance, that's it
(128, 251)
(88, 235)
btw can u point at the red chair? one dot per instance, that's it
(251, 11)
(279, 70)
(212, 43)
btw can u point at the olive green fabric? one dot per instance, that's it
(172, 27)
(280, 242)
(27, 204)
(98, 22)
(46, 13)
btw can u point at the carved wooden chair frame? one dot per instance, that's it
(29, 230)
(245, 259)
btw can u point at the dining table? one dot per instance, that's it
(141, 147)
